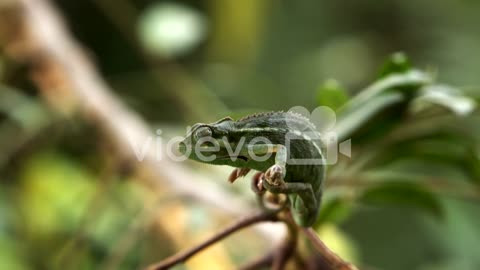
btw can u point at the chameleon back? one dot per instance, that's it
(296, 133)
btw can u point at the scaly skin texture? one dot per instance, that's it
(238, 143)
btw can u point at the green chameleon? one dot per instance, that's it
(289, 136)
(259, 142)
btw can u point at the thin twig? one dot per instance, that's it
(332, 259)
(184, 256)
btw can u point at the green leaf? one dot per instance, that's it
(383, 94)
(332, 95)
(444, 96)
(410, 81)
(334, 211)
(444, 156)
(397, 63)
(472, 165)
(349, 122)
(403, 194)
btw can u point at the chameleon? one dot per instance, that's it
(259, 142)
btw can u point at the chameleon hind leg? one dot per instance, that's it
(268, 201)
(304, 191)
(277, 172)
(273, 179)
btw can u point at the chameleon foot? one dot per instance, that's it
(257, 183)
(237, 173)
(274, 175)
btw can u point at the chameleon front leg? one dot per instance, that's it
(304, 191)
(276, 173)
(274, 176)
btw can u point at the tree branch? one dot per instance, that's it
(33, 33)
(184, 256)
(332, 259)
(289, 246)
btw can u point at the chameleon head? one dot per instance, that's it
(207, 143)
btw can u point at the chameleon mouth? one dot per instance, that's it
(243, 158)
(234, 157)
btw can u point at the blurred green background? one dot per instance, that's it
(67, 201)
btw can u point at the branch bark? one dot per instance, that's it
(332, 259)
(33, 32)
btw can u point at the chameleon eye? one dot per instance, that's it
(203, 132)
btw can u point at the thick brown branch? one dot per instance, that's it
(332, 259)
(184, 256)
(32, 32)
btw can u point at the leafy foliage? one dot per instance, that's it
(435, 145)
